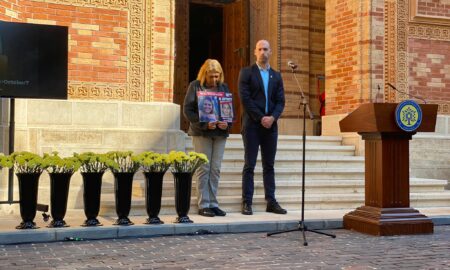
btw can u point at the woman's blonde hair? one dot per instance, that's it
(210, 65)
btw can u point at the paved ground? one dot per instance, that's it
(238, 251)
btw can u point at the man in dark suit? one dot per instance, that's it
(262, 95)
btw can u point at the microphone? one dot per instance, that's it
(378, 94)
(409, 95)
(292, 65)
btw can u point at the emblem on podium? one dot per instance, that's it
(408, 115)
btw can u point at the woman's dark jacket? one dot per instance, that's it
(190, 111)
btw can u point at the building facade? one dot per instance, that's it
(130, 62)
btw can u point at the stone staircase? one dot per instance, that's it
(334, 179)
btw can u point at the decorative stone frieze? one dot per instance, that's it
(110, 4)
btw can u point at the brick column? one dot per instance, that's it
(354, 57)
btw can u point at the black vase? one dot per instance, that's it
(153, 192)
(183, 184)
(28, 193)
(123, 184)
(92, 182)
(59, 193)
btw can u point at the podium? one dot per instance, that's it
(386, 210)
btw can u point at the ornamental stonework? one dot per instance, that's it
(134, 89)
(136, 50)
(390, 53)
(149, 45)
(110, 4)
(91, 90)
(431, 32)
(412, 26)
(402, 49)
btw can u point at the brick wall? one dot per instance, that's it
(377, 47)
(434, 8)
(294, 47)
(113, 52)
(316, 53)
(97, 38)
(342, 56)
(429, 69)
(302, 41)
(9, 10)
(354, 58)
(162, 38)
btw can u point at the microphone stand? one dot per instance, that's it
(301, 224)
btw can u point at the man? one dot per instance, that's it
(262, 95)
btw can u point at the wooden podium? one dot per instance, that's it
(386, 210)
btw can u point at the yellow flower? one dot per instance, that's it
(187, 163)
(153, 162)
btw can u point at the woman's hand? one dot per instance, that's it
(212, 125)
(222, 125)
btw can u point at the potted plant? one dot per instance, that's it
(92, 168)
(183, 167)
(28, 168)
(124, 165)
(154, 166)
(60, 171)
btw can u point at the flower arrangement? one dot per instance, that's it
(123, 161)
(91, 162)
(53, 163)
(186, 163)
(153, 162)
(5, 161)
(26, 162)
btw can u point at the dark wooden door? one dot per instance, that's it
(235, 50)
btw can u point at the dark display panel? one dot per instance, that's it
(33, 60)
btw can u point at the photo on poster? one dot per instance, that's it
(215, 106)
(226, 107)
(208, 106)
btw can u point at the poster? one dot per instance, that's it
(215, 106)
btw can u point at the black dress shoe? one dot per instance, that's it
(247, 209)
(218, 212)
(274, 207)
(206, 212)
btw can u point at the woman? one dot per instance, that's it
(208, 137)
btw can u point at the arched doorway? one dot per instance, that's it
(210, 29)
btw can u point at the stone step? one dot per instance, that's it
(311, 173)
(234, 175)
(334, 180)
(295, 160)
(286, 140)
(227, 188)
(330, 186)
(236, 149)
(290, 202)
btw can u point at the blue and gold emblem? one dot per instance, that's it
(408, 115)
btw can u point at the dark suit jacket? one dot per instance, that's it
(253, 99)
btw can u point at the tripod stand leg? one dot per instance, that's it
(302, 228)
(327, 234)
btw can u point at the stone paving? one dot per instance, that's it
(349, 250)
